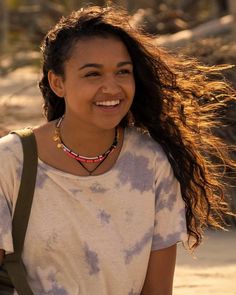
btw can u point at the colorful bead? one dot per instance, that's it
(77, 157)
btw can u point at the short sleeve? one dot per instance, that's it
(5, 225)
(10, 174)
(170, 220)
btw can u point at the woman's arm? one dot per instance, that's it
(160, 273)
(2, 252)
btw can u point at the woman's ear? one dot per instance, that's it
(56, 83)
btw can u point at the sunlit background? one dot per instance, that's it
(202, 29)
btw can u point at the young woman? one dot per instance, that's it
(124, 169)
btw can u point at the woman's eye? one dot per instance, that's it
(92, 74)
(125, 72)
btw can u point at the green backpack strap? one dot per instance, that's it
(13, 262)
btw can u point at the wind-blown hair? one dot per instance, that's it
(177, 101)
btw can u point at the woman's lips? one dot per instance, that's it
(108, 103)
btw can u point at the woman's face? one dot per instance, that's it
(98, 84)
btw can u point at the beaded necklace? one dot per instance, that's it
(79, 158)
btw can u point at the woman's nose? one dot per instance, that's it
(110, 87)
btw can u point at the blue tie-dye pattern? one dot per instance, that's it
(129, 215)
(161, 242)
(158, 242)
(18, 162)
(104, 217)
(51, 241)
(92, 260)
(134, 170)
(166, 187)
(5, 216)
(97, 188)
(138, 247)
(41, 178)
(145, 142)
(56, 289)
(94, 267)
(182, 223)
(7, 149)
(174, 237)
(18, 172)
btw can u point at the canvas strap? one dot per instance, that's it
(13, 262)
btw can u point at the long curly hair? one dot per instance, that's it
(178, 101)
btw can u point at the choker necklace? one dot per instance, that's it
(83, 159)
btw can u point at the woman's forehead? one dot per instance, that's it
(95, 48)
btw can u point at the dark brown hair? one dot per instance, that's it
(177, 101)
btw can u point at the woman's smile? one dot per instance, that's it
(108, 103)
(109, 106)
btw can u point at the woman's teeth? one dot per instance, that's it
(108, 103)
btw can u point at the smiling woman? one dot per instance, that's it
(124, 170)
(98, 88)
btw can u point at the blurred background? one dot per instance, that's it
(23, 23)
(198, 28)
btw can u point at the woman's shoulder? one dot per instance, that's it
(10, 143)
(141, 141)
(11, 157)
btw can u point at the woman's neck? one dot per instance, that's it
(86, 140)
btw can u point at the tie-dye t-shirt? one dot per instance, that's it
(94, 235)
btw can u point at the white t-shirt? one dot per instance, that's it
(94, 235)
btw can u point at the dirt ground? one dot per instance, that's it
(212, 271)
(20, 99)
(212, 268)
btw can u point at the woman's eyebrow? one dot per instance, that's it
(124, 63)
(99, 66)
(91, 65)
